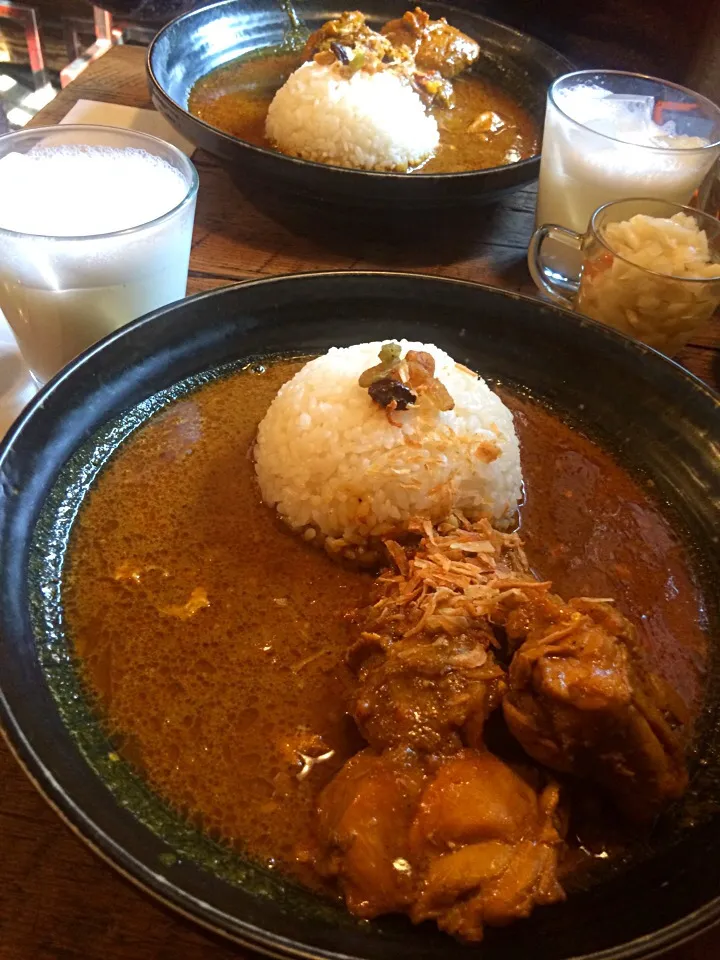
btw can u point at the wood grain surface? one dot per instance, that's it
(58, 901)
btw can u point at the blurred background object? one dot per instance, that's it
(656, 37)
(44, 44)
(155, 12)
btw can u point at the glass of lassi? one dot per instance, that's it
(95, 231)
(611, 135)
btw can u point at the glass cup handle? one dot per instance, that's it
(561, 293)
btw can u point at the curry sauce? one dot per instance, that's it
(213, 639)
(235, 98)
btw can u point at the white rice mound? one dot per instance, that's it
(330, 461)
(369, 121)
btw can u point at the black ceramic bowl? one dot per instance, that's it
(301, 192)
(659, 417)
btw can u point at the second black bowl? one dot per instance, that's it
(307, 194)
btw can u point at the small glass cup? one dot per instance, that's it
(60, 294)
(600, 143)
(661, 309)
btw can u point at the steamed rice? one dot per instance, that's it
(332, 463)
(370, 121)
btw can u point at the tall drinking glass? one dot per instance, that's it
(611, 135)
(122, 205)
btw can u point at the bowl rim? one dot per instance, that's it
(82, 823)
(519, 165)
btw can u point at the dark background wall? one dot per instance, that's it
(653, 36)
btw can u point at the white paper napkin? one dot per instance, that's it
(130, 118)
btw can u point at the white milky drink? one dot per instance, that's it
(601, 143)
(91, 237)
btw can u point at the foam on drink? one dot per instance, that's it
(121, 188)
(69, 275)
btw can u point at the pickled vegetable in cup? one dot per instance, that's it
(660, 284)
(650, 269)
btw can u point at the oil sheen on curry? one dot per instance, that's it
(388, 689)
(401, 99)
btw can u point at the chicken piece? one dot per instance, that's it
(435, 45)
(488, 844)
(488, 884)
(364, 817)
(422, 693)
(427, 674)
(450, 833)
(474, 844)
(582, 701)
(473, 797)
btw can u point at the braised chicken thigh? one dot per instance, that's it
(364, 818)
(426, 694)
(435, 45)
(464, 841)
(582, 700)
(436, 826)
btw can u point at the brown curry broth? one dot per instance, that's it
(204, 705)
(595, 531)
(235, 98)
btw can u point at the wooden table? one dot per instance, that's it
(58, 901)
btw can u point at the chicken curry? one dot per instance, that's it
(480, 125)
(334, 723)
